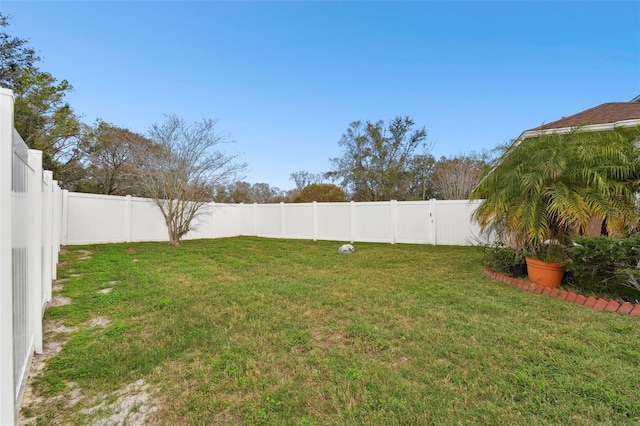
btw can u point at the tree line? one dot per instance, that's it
(181, 165)
(379, 161)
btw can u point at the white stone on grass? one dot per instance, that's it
(346, 248)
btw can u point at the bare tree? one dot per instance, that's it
(181, 174)
(455, 177)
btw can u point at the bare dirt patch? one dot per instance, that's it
(105, 290)
(132, 406)
(99, 322)
(84, 254)
(226, 418)
(31, 402)
(57, 327)
(58, 284)
(59, 301)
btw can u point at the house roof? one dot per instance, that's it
(602, 117)
(611, 112)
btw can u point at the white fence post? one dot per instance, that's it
(393, 221)
(212, 205)
(35, 246)
(352, 221)
(283, 233)
(55, 228)
(314, 218)
(47, 232)
(432, 222)
(127, 219)
(255, 219)
(64, 239)
(7, 385)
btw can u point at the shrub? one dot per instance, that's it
(606, 265)
(499, 258)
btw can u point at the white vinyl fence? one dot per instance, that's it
(30, 232)
(36, 217)
(90, 218)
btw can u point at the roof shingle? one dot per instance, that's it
(611, 112)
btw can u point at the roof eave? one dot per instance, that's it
(603, 127)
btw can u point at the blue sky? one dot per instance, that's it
(285, 79)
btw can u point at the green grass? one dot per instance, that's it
(285, 332)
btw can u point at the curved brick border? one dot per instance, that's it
(600, 304)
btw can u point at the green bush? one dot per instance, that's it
(606, 265)
(499, 258)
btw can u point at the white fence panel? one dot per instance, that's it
(202, 224)
(248, 217)
(7, 381)
(22, 338)
(413, 222)
(144, 221)
(38, 289)
(334, 221)
(372, 222)
(93, 218)
(217, 221)
(269, 220)
(299, 221)
(227, 220)
(453, 222)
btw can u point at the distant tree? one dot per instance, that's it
(375, 164)
(239, 192)
(111, 162)
(46, 122)
(455, 177)
(262, 193)
(421, 168)
(42, 116)
(244, 192)
(15, 56)
(320, 192)
(303, 179)
(182, 175)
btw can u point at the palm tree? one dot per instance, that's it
(552, 186)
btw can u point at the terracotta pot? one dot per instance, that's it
(544, 274)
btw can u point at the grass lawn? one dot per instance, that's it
(286, 332)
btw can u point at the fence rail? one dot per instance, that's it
(30, 235)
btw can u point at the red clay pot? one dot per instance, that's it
(544, 274)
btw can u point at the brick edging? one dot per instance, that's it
(600, 304)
